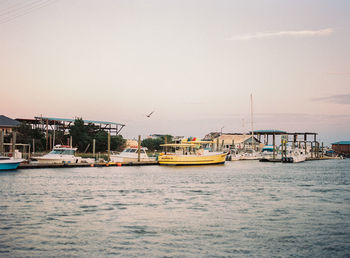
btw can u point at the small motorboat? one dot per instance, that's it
(60, 154)
(131, 155)
(7, 163)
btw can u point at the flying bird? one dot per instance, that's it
(149, 115)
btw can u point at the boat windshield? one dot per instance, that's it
(62, 152)
(130, 150)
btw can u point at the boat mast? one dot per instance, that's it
(251, 120)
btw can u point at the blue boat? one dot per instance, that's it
(7, 163)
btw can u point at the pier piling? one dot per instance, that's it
(1, 142)
(109, 146)
(14, 135)
(139, 148)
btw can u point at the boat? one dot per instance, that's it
(191, 153)
(130, 154)
(267, 154)
(233, 155)
(7, 163)
(295, 155)
(61, 154)
(250, 154)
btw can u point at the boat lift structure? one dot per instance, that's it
(62, 124)
(296, 138)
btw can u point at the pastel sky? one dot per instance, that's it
(194, 62)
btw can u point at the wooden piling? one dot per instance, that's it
(274, 146)
(315, 142)
(54, 134)
(14, 135)
(93, 147)
(47, 134)
(33, 145)
(71, 141)
(305, 141)
(139, 149)
(109, 146)
(1, 142)
(50, 137)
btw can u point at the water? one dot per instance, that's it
(241, 209)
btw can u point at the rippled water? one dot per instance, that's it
(240, 209)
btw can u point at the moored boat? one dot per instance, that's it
(191, 153)
(60, 154)
(131, 155)
(7, 163)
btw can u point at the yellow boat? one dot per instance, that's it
(190, 153)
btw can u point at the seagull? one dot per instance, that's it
(149, 115)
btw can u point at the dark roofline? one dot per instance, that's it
(8, 122)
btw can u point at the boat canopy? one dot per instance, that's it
(187, 144)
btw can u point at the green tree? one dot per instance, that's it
(80, 134)
(117, 143)
(83, 135)
(154, 144)
(26, 134)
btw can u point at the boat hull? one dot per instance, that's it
(186, 160)
(116, 158)
(57, 161)
(9, 165)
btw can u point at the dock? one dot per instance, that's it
(85, 165)
(307, 159)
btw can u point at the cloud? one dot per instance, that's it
(337, 99)
(287, 33)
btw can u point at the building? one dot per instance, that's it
(7, 124)
(236, 141)
(342, 147)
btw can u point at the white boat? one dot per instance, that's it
(7, 163)
(233, 155)
(267, 153)
(294, 156)
(130, 154)
(250, 155)
(60, 154)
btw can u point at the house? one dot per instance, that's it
(342, 147)
(236, 141)
(7, 124)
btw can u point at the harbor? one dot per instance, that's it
(185, 129)
(214, 148)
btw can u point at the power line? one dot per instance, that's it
(26, 11)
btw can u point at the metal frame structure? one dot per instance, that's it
(62, 124)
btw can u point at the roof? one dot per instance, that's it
(227, 138)
(72, 120)
(269, 132)
(342, 143)
(8, 122)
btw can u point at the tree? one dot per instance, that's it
(83, 135)
(154, 144)
(80, 134)
(26, 134)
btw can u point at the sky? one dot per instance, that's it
(195, 63)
